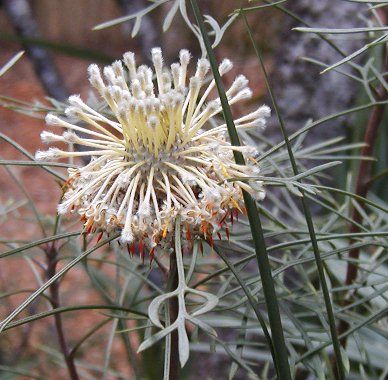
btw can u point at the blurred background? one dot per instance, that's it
(60, 44)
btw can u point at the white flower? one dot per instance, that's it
(153, 155)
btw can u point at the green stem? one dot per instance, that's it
(307, 213)
(280, 350)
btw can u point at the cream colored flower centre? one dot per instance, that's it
(156, 151)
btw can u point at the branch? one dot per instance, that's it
(20, 15)
(51, 255)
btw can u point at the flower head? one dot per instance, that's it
(156, 152)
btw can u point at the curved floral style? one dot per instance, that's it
(156, 152)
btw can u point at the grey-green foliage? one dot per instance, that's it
(10, 63)
(174, 5)
(231, 327)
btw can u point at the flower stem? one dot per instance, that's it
(172, 284)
